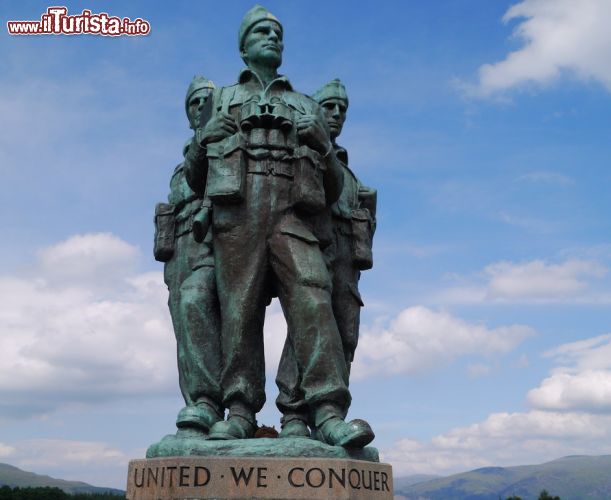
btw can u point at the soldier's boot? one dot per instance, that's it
(294, 426)
(354, 434)
(201, 416)
(240, 424)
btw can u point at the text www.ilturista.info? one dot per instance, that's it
(56, 21)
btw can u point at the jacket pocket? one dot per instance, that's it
(226, 170)
(362, 239)
(308, 189)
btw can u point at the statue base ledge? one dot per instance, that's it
(212, 477)
(195, 444)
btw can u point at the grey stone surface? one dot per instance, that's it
(257, 478)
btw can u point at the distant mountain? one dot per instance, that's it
(571, 478)
(403, 482)
(12, 476)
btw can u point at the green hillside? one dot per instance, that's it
(403, 482)
(12, 476)
(571, 478)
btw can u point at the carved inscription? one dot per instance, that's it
(170, 476)
(201, 478)
(315, 477)
(298, 477)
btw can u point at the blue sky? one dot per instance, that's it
(484, 126)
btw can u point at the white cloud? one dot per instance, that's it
(417, 339)
(531, 425)
(571, 415)
(90, 259)
(503, 439)
(62, 452)
(410, 456)
(590, 389)
(274, 335)
(476, 370)
(84, 327)
(590, 353)
(581, 382)
(6, 450)
(65, 340)
(420, 338)
(558, 36)
(95, 462)
(539, 281)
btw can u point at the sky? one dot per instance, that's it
(486, 331)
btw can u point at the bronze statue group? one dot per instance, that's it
(264, 205)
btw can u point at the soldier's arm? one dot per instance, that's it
(196, 159)
(313, 130)
(333, 177)
(196, 166)
(215, 125)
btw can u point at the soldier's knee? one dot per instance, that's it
(297, 257)
(189, 299)
(313, 300)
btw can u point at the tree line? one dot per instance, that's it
(48, 493)
(544, 495)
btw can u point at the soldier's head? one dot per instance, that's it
(260, 38)
(198, 92)
(333, 99)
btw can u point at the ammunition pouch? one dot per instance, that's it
(164, 232)
(362, 239)
(368, 198)
(308, 188)
(226, 170)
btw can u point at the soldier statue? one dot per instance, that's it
(264, 158)
(185, 245)
(352, 225)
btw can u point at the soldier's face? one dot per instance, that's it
(263, 44)
(335, 114)
(196, 103)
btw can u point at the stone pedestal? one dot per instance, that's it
(197, 477)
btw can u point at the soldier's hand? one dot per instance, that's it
(313, 133)
(220, 126)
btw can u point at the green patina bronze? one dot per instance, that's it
(172, 445)
(351, 223)
(189, 275)
(264, 205)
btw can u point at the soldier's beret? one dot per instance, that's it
(252, 17)
(332, 90)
